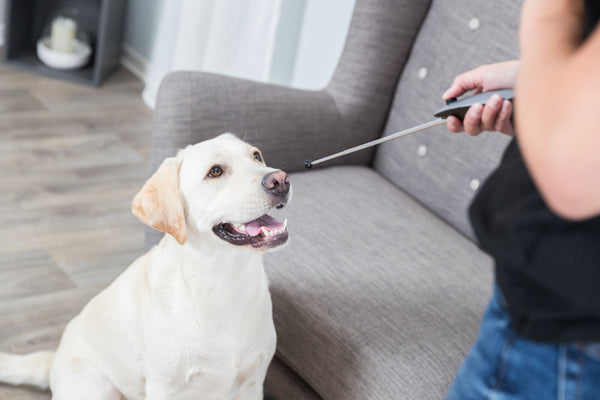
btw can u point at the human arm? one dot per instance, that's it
(558, 106)
(496, 115)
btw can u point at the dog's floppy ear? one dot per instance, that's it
(159, 205)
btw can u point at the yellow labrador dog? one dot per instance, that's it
(190, 319)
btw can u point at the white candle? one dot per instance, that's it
(63, 33)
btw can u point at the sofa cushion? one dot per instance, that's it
(455, 37)
(374, 297)
(282, 383)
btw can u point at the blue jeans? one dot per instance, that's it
(503, 366)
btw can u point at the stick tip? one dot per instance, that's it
(308, 164)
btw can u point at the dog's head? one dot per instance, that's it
(220, 187)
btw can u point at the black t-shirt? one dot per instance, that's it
(548, 268)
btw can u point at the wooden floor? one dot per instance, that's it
(71, 160)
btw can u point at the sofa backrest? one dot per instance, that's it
(440, 169)
(380, 37)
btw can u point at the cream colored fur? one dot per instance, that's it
(190, 319)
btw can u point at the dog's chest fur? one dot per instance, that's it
(213, 327)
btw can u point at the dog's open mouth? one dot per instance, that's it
(264, 231)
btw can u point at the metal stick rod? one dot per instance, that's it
(417, 128)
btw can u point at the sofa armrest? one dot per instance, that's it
(288, 125)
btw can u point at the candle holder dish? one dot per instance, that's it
(62, 60)
(64, 43)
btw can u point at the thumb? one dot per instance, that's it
(465, 82)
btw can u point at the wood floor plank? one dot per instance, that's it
(134, 173)
(30, 273)
(37, 322)
(64, 152)
(96, 119)
(23, 393)
(99, 262)
(60, 194)
(18, 100)
(55, 231)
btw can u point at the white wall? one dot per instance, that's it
(141, 25)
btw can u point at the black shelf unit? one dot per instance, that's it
(102, 20)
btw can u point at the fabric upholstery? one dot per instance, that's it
(374, 297)
(447, 46)
(283, 383)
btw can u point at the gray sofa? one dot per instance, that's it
(380, 292)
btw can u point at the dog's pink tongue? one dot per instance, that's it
(253, 227)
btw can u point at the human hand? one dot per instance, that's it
(496, 115)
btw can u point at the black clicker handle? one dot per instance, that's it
(458, 108)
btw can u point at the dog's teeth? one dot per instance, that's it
(268, 233)
(240, 227)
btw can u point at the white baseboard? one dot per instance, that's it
(134, 62)
(139, 66)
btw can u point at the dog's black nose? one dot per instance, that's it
(277, 183)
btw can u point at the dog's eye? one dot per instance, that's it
(257, 156)
(215, 171)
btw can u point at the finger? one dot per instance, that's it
(504, 122)
(491, 112)
(464, 82)
(454, 125)
(472, 120)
